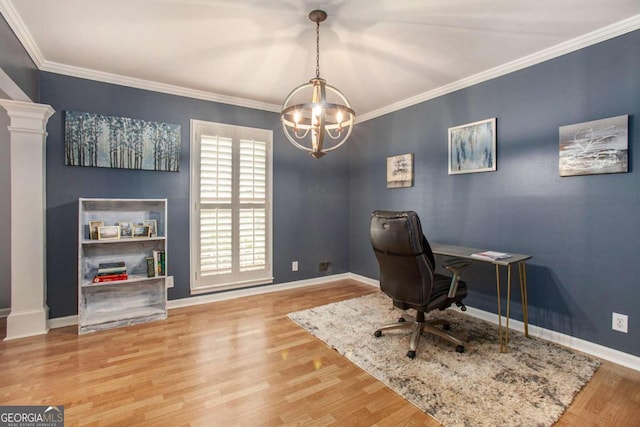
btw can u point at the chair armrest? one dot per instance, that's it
(455, 266)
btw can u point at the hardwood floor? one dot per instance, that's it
(239, 363)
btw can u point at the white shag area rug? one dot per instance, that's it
(531, 385)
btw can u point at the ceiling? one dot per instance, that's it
(383, 54)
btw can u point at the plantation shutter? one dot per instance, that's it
(216, 187)
(253, 202)
(231, 219)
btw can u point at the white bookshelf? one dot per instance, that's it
(124, 302)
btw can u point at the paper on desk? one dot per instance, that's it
(490, 255)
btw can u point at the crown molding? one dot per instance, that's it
(24, 36)
(20, 29)
(85, 73)
(619, 28)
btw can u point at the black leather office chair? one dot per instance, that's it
(407, 275)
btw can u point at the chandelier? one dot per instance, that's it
(316, 117)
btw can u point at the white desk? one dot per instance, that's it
(519, 259)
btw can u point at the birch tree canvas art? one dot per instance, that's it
(95, 140)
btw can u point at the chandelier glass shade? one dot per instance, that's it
(317, 117)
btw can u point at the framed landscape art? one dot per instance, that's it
(108, 232)
(472, 147)
(140, 231)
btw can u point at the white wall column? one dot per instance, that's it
(29, 311)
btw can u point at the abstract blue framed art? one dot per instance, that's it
(472, 147)
(95, 140)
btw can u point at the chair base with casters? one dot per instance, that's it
(445, 293)
(418, 326)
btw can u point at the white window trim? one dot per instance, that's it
(197, 126)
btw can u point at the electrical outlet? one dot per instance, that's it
(620, 322)
(294, 266)
(168, 281)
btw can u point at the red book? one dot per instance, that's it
(110, 277)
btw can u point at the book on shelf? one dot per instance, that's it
(112, 267)
(114, 270)
(151, 272)
(161, 267)
(159, 263)
(111, 264)
(490, 255)
(110, 277)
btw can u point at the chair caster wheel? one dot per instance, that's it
(377, 334)
(446, 327)
(411, 354)
(401, 320)
(460, 348)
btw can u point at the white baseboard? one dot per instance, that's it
(223, 296)
(602, 352)
(365, 280)
(27, 323)
(4, 312)
(606, 353)
(61, 322)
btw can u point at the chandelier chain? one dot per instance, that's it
(317, 49)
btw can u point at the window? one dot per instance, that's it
(230, 206)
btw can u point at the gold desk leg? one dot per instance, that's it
(522, 269)
(506, 331)
(499, 314)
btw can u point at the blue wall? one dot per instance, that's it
(16, 62)
(310, 206)
(583, 232)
